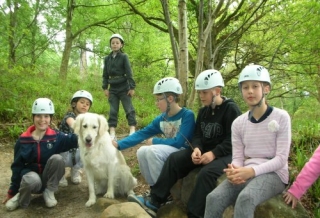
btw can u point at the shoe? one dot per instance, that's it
(63, 182)
(146, 203)
(49, 198)
(75, 175)
(13, 203)
(132, 130)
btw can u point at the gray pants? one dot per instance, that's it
(114, 101)
(33, 183)
(245, 197)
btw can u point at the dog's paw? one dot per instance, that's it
(109, 195)
(130, 192)
(90, 202)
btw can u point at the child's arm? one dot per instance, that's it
(308, 175)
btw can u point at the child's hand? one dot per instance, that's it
(115, 143)
(238, 175)
(148, 141)
(207, 157)
(7, 199)
(131, 92)
(196, 156)
(290, 198)
(106, 93)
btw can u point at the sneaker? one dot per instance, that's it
(146, 203)
(75, 175)
(13, 203)
(132, 130)
(63, 182)
(49, 198)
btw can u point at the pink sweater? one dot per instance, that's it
(263, 146)
(308, 175)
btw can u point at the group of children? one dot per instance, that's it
(252, 148)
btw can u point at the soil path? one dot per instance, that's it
(71, 199)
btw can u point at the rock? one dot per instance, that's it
(103, 203)
(127, 209)
(172, 210)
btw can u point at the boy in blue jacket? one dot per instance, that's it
(175, 123)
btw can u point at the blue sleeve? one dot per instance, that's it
(184, 135)
(152, 129)
(67, 142)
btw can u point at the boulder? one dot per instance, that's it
(126, 209)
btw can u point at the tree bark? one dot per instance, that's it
(183, 50)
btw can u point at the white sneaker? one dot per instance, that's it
(132, 130)
(63, 182)
(75, 175)
(49, 198)
(13, 203)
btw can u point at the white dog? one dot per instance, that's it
(105, 166)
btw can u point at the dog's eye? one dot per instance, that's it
(85, 126)
(94, 127)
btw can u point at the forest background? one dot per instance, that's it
(54, 48)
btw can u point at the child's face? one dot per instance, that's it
(161, 102)
(207, 95)
(41, 121)
(252, 92)
(115, 44)
(82, 106)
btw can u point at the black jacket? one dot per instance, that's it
(213, 128)
(117, 72)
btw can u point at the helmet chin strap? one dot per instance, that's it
(213, 103)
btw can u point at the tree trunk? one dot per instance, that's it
(175, 53)
(183, 48)
(68, 41)
(83, 60)
(11, 35)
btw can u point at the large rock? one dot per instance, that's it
(127, 209)
(274, 207)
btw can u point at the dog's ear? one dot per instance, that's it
(103, 125)
(77, 124)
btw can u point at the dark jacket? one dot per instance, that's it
(213, 128)
(117, 72)
(32, 155)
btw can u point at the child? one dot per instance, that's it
(308, 175)
(261, 141)
(37, 166)
(81, 102)
(210, 149)
(117, 73)
(175, 123)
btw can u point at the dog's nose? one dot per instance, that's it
(88, 139)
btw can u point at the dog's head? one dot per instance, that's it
(89, 127)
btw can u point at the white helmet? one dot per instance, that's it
(254, 72)
(42, 106)
(117, 36)
(209, 79)
(168, 84)
(82, 94)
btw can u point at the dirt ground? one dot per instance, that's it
(71, 199)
